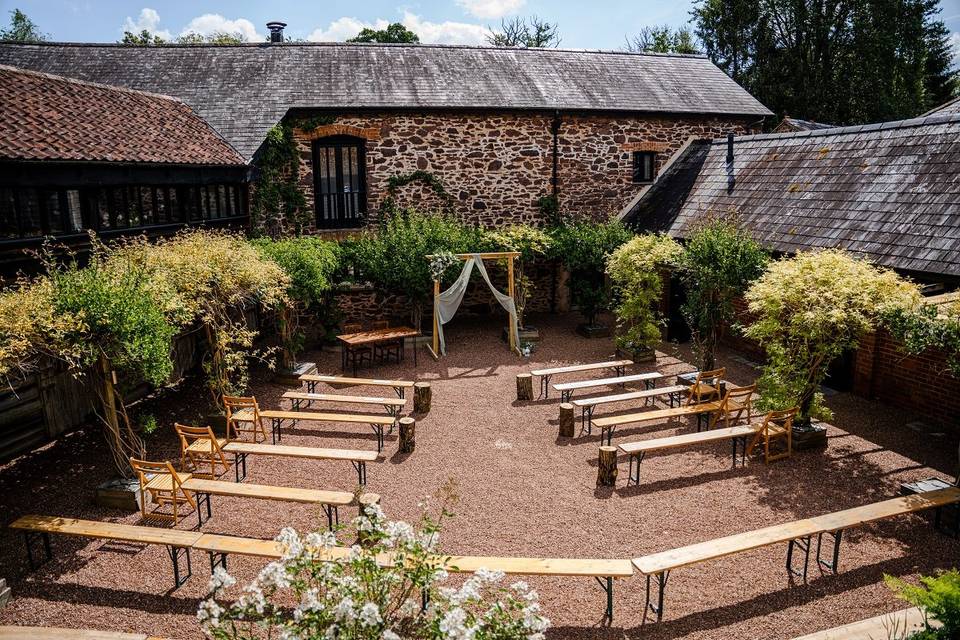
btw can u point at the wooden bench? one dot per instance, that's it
(391, 406)
(330, 500)
(218, 547)
(546, 374)
(377, 423)
(587, 405)
(798, 534)
(178, 543)
(399, 386)
(566, 389)
(637, 450)
(55, 633)
(609, 424)
(241, 450)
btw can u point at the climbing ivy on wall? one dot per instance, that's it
(278, 206)
(394, 183)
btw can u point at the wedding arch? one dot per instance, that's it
(445, 304)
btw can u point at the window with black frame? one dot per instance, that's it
(644, 167)
(340, 182)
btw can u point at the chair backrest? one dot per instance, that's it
(188, 435)
(738, 402)
(783, 419)
(234, 404)
(706, 385)
(352, 327)
(145, 468)
(380, 324)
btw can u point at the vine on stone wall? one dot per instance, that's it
(389, 205)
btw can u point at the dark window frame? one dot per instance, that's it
(337, 209)
(639, 175)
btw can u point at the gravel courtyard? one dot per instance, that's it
(523, 492)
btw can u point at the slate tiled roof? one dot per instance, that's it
(789, 124)
(890, 192)
(244, 90)
(952, 106)
(46, 117)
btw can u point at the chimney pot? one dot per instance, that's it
(276, 30)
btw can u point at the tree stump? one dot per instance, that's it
(422, 395)
(566, 420)
(408, 442)
(524, 387)
(607, 467)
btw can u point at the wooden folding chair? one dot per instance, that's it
(201, 448)
(706, 387)
(736, 406)
(243, 416)
(776, 424)
(383, 350)
(164, 486)
(355, 354)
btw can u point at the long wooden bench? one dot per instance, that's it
(57, 633)
(736, 435)
(178, 543)
(330, 500)
(798, 534)
(399, 386)
(545, 375)
(609, 424)
(393, 406)
(241, 450)
(587, 405)
(377, 423)
(566, 389)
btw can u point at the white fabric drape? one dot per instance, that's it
(446, 304)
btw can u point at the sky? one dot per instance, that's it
(601, 24)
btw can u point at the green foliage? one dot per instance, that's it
(938, 597)
(278, 206)
(149, 424)
(664, 39)
(848, 62)
(928, 327)
(525, 32)
(389, 207)
(810, 309)
(549, 206)
(22, 29)
(634, 270)
(583, 248)
(142, 39)
(394, 33)
(532, 244)
(720, 261)
(217, 37)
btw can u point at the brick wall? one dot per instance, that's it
(496, 166)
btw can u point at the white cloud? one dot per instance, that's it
(343, 28)
(487, 9)
(149, 19)
(210, 23)
(429, 32)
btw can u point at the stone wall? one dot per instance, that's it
(496, 166)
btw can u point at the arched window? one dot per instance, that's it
(339, 182)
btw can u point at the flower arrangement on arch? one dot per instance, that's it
(390, 585)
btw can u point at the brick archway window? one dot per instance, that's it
(339, 182)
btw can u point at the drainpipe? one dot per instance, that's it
(555, 193)
(731, 179)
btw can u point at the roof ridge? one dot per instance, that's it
(87, 83)
(438, 45)
(857, 128)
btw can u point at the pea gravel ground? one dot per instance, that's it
(522, 492)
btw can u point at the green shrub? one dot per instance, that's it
(583, 248)
(938, 597)
(928, 327)
(719, 262)
(634, 270)
(531, 243)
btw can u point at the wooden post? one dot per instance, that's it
(422, 395)
(510, 292)
(607, 467)
(436, 320)
(566, 420)
(524, 387)
(408, 442)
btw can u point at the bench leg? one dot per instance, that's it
(28, 538)
(607, 585)
(311, 386)
(401, 393)
(649, 384)
(620, 371)
(544, 387)
(240, 462)
(275, 429)
(830, 566)
(804, 544)
(566, 395)
(740, 443)
(378, 429)
(295, 404)
(657, 609)
(203, 499)
(217, 560)
(608, 433)
(333, 516)
(674, 399)
(361, 468)
(634, 476)
(175, 554)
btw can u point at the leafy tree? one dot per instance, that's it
(394, 33)
(635, 270)
(663, 39)
(525, 32)
(22, 29)
(938, 597)
(531, 243)
(142, 39)
(720, 261)
(217, 37)
(810, 309)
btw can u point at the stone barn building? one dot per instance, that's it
(497, 129)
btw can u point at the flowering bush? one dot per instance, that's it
(390, 587)
(531, 243)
